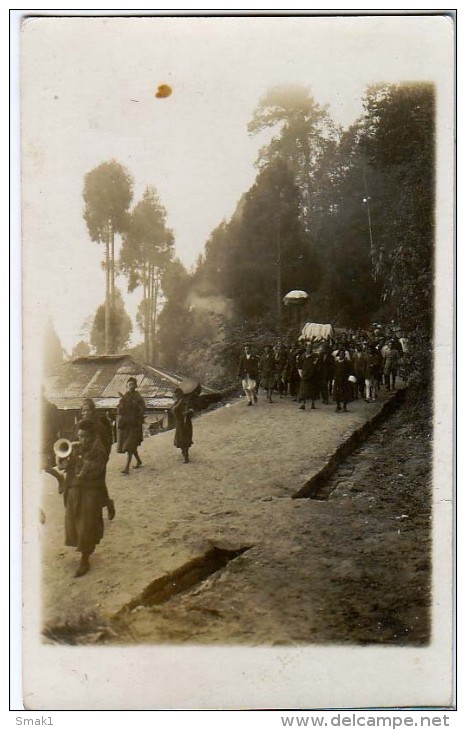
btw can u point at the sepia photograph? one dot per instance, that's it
(237, 241)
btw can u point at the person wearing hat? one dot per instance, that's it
(131, 416)
(182, 413)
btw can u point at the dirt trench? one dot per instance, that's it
(348, 564)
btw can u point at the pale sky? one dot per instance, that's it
(80, 75)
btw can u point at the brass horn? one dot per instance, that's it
(63, 448)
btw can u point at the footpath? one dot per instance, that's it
(232, 512)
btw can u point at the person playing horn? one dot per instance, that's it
(84, 493)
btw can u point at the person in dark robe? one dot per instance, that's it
(104, 432)
(327, 368)
(281, 359)
(359, 366)
(342, 388)
(182, 413)
(267, 371)
(310, 370)
(379, 345)
(292, 374)
(130, 419)
(84, 493)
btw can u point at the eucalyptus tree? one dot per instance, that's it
(147, 249)
(108, 191)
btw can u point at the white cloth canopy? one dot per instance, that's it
(312, 330)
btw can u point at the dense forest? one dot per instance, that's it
(346, 215)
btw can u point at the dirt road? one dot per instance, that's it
(352, 566)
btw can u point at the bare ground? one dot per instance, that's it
(351, 567)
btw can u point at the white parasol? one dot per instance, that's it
(296, 296)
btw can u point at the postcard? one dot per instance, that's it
(237, 241)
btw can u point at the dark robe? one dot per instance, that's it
(311, 376)
(131, 416)
(328, 367)
(292, 375)
(104, 433)
(372, 366)
(342, 388)
(281, 359)
(85, 496)
(267, 370)
(182, 413)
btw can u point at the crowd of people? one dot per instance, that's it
(356, 364)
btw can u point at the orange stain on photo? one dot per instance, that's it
(163, 91)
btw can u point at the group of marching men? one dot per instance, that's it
(356, 365)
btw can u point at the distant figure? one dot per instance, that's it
(379, 349)
(390, 368)
(359, 360)
(371, 373)
(85, 493)
(292, 374)
(310, 370)
(328, 367)
(267, 371)
(404, 343)
(104, 432)
(281, 358)
(248, 371)
(182, 413)
(341, 385)
(131, 416)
